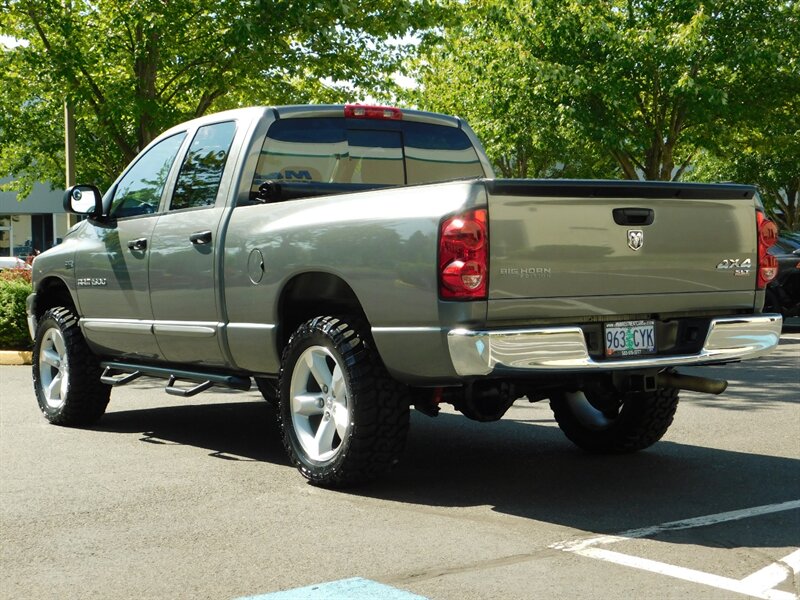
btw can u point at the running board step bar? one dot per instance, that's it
(120, 373)
(173, 391)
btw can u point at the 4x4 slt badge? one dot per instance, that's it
(739, 267)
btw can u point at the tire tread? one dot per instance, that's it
(382, 405)
(87, 397)
(644, 421)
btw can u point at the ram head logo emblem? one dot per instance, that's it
(635, 239)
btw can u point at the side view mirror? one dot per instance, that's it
(83, 200)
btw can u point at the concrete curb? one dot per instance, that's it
(15, 357)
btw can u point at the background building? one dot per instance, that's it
(35, 224)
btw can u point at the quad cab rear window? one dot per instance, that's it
(358, 151)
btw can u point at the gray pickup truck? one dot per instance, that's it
(356, 261)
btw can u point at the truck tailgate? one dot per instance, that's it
(573, 243)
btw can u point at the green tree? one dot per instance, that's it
(765, 150)
(769, 157)
(647, 82)
(133, 68)
(468, 70)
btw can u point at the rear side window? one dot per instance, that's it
(201, 171)
(339, 150)
(438, 153)
(139, 191)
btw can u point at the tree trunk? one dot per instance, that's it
(145, 68)
(627, 164)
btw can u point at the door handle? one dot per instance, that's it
(633, 216)
(200, 237)
(140, 244)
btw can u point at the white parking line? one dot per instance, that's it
(755, 589)
(704, 521)
(775, 574)
(758, 585)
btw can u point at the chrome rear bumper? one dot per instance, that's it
(564, 348)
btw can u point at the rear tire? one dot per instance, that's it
(628, 423)
(66, 375)
(343, 419)
(269, 390)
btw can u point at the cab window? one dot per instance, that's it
(139, 191)
(340, 150)
(201, 171)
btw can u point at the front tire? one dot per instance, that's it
(609, 423)
(66, 375)
(343, 419)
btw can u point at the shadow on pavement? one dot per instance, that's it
(532, 472)
(524, 468)
(791, 325)
(762, 384)
(247, 430)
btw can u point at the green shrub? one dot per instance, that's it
(15, 286)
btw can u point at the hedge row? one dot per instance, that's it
(15, 286)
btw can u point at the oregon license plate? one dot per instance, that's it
(630, 338)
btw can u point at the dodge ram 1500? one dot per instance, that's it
(356, 261)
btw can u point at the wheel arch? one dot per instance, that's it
(311, 294)
(51, 292)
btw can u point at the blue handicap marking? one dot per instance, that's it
(345, 589)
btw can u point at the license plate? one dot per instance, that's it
(630, 338)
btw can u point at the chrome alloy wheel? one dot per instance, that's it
(54, 368)
(588, 415)
(319, 403)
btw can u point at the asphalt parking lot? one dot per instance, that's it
(195, 499)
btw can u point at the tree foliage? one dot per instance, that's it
(15, 287)
(467, 69)
(767, 156)
(133, 68)
(765, 148)
(647, 82)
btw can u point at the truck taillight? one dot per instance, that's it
(464, 256)
(360, 111)
(767, 264)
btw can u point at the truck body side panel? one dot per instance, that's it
(383, 244)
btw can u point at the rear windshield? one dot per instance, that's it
(340, 150)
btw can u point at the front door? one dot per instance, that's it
(111, 268)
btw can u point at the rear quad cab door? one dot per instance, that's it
(111, 265)
(184, 259)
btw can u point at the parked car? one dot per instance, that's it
(783, 292)
(12, 262)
